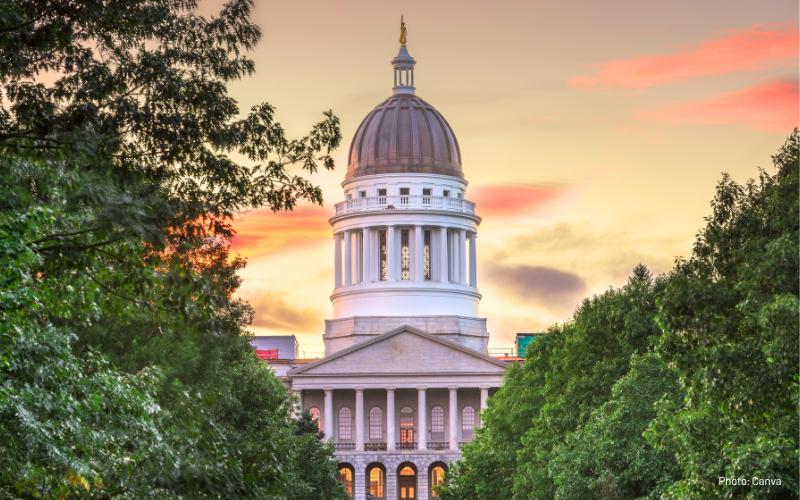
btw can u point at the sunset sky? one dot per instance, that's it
(592, 135)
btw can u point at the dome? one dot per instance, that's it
(404, 134)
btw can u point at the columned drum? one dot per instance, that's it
(405, 233)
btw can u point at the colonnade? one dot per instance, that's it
(405, 253)
(391, 418)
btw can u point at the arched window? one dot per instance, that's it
(406, 428)
(437, 424)
(407, 481)
(376, 481)
(436, 478)
(345, 424)
(346, 478)
(375, 424)
(314, 412)
(467, 421)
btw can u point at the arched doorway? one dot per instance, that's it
(435, 478)
(407, 482)
(346, 474)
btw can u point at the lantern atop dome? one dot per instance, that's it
(403, 65)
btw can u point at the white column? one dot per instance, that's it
(419, 264)
(348, 258)
(327, 415)
(366, 276)
(453, 418)
(359, 419)
(390, 258)
(443, 263)
(337, 260)
(484, 404)
(422, 412)
(390, 423)
(462, 256)
(473, 260)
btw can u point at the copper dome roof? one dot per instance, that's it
(404, 134)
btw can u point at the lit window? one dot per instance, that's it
(426, 254)
(314, 412)
(346, 478)
(375, 424)
(345, 424)
(467, 421)
(377, 481)
(406, 428)
(383, 261)
(405, 257)
(437, 479)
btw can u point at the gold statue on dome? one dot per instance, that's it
(403, 32)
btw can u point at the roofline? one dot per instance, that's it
(391, 333)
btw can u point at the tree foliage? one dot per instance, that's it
(660, 388)
(126, 369)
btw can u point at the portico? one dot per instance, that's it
(424, 401)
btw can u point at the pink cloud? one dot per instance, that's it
(262, 231)
(770, 106)
(748, 49)
(512, 199)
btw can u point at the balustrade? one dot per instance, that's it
(405, 202)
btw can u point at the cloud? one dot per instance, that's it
(770, 106)
(271, 311)
(748, 49)
(512, 199)
(544, 285)
(262, 231)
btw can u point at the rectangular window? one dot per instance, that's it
(405, 260)
(445, 193)
(426, 196)
(404, 192)
(382, 251)
(426, 254)
(382, 196)
(362, 194)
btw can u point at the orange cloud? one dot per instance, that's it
(741, 50)
(512, 199)
(770, 106)
(262, 231)
(271, 311)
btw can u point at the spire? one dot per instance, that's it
(403, 65)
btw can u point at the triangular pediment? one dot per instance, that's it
(404, 350)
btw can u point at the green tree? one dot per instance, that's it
(608, 456)
(565, 377)
(730, 316)
(117, 124)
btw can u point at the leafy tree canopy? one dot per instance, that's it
(125, 371)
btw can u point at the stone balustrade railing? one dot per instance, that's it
(405, 202)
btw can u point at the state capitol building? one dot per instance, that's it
(406, 370)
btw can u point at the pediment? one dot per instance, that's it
(404, 350)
